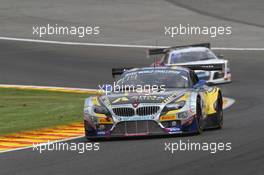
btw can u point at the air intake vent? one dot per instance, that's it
(124, 112)
(141, 111)
(147, 110)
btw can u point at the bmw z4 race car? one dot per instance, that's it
(197, 54)
(179, 103)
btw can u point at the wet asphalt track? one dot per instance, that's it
(59, 65)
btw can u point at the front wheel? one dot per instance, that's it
(199, 116)
(89, 131)
(219, 112)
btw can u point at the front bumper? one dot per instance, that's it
(141, 128)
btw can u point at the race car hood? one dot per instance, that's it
(135, 98)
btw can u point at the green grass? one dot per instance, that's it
(22, 110)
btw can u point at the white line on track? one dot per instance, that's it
(117, 45)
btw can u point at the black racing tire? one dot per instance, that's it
(219, 112)
(89, 131)
(199, 116)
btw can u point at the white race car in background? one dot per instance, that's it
(195, 55)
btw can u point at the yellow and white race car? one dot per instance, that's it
(179, 103)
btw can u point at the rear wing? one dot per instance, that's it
(159, 51)
(206, 67)
(120, 71)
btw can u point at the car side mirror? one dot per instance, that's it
(200, 83)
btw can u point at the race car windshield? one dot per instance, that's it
(183, 57)
(165, 78)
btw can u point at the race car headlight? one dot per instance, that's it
(90, 109)
(175, 106)
(182, 115)
(101, 110)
